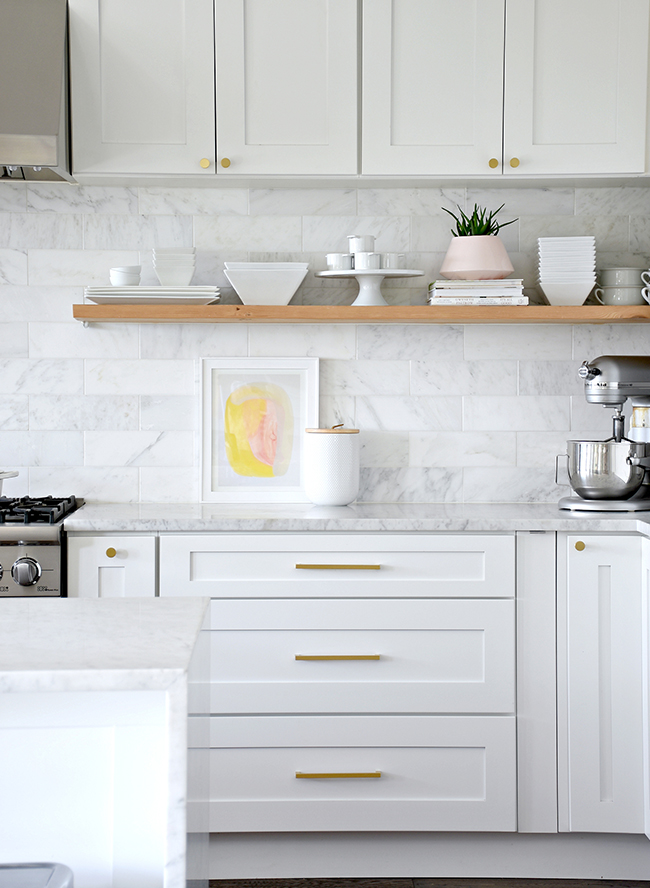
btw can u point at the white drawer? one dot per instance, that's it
(342, 655)
(424, 773)
(346, 565)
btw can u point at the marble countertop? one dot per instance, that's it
(72, 644)
(297, 518)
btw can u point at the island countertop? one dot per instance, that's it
(362, 518)
(74, 644)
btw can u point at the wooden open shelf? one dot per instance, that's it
(348, 314)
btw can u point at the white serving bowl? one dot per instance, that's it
(175, 277)
(567, 293)
(266, 286)
(257, 265)
(174, 251)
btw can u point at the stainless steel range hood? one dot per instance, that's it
(34, 90)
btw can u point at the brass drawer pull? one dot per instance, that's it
(338, 566)
(334, 775)
(338, 656)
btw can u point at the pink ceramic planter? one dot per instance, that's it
(476, 258)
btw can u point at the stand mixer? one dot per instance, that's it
(613, 475)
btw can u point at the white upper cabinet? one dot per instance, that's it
(142, 86)
(432, 86)
(286, 87)
(576, 79)
(504, 87)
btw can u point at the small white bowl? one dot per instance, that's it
(125, 275)
(174, 277)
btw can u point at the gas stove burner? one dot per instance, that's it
(35, 510)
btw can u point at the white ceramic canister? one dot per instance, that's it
(331, 461)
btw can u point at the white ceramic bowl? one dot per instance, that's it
(230, 265)
(174, 251)
(125, 275)
(174, 277)
(265, 286)
(174, 263)
(566, 294)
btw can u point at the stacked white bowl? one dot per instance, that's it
(174, 267)
(567, 268)
(265, 283)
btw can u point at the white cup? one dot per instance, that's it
(621, 295)
(367, 260)
(393, 260)
(645, 292)
(361, 243)
(621, 277)
(645, 277)
(339, 261)
(125, 275)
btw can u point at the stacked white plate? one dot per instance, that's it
(566, 268)
(174, 266)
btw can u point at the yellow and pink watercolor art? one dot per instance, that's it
(259, 430)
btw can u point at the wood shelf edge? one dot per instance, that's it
(338, 314)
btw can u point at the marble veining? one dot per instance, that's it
(360, 517)
(89, 644)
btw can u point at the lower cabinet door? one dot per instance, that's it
(362, 773)
(112, 566)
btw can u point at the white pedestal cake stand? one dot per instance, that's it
(370, 281)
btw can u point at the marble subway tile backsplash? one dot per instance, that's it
(447, 413)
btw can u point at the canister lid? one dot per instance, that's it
(335, 430)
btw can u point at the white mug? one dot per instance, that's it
(361, 243)
(367, 260)
(645, 292)
(620, 277)
(393, 260)
(645, 277)
(339, 261)
(620, 295)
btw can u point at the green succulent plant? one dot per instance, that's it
(480, 222)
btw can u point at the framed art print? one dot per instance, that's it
(254, 412)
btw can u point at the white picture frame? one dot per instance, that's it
(254, 412)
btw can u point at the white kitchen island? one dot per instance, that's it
(93, 735)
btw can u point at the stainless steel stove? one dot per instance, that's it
(32, 551)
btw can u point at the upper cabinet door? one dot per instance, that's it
(142, 84)
(286, 87)
(576, 77)
(432, 87)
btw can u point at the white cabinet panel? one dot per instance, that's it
(142, 86)
(455, 774)
(576, 86)
(432, 86)
(362, 656)
(600, 684)
(332, 565)
(112, 566)
(286, 86)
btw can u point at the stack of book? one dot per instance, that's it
(501, 292)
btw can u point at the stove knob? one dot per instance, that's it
(26, 571)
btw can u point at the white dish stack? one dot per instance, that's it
(174, 267)
(566, 268)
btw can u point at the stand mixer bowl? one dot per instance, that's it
(603, 469)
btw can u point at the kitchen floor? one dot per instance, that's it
(425, 883)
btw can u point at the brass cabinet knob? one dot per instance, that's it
(225, 162)
(204, 162)
(111, 552)
(493, 163)
(580, 545)
(514, 162)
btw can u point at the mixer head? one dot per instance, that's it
(611, 379)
